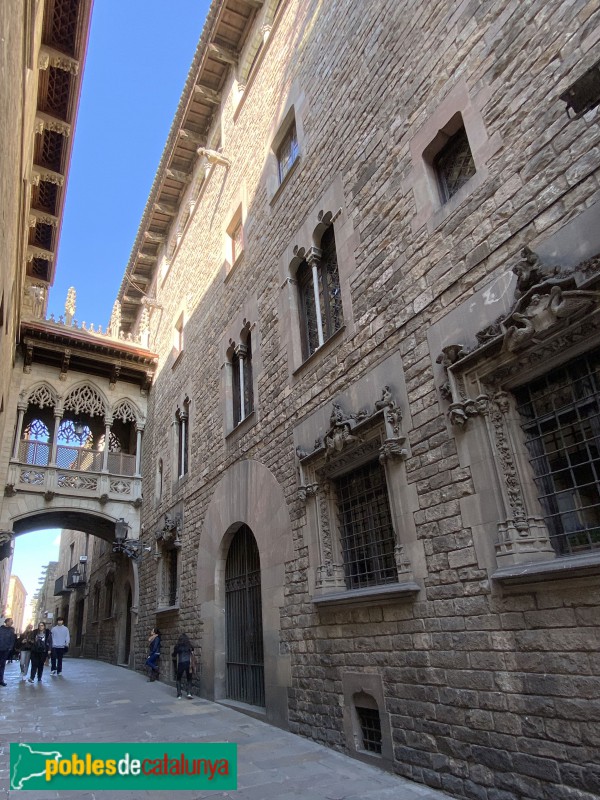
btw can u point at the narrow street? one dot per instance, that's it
(94, 701)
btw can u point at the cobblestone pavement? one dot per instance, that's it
(98, 702)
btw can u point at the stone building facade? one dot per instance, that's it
(370, 258)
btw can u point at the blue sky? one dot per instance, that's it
(139, 55)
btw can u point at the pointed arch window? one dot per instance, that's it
(320, 295)
(243, 392)
(182, 424)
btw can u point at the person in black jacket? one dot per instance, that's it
(40, 650)
(8, 637)
(183, 652)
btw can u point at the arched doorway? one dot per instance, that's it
(243, 621)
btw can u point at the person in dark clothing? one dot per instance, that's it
(183, 652)
(8, 637)
(154, 654)
(24, 643)
(40, 650)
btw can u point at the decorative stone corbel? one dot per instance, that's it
(307, 490)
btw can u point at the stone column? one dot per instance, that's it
(107, 424)
(314, 259)
(241, 351)
(57, 421)
(19, 433)
(138, 451)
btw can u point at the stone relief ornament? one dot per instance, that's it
(307, 490)
(70, 306)
(546, 300)
(169, 533)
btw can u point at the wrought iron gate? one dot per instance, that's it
(243, 619)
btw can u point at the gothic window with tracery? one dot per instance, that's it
(321, 279)
(124, 411)
(85, 400)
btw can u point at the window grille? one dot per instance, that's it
(56, 100)
(370, 726)
(237, 393)
(63, 30)
(454, 164)
(52, 150)
(38, 268)
(42, 235)
(287, 153)
(44, 197)
(366, 531)
(560, 415)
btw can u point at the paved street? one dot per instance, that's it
(98, 702)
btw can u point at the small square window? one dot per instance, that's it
(454, 164)
(287, 152)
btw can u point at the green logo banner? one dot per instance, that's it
(123, 766)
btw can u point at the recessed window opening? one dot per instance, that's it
(182, 419)
(454, 164)
(242, 380)
(370, 726)
(178, 335)
(560, 416)
(287, 152)
(320, 296)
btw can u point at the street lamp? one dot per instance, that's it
(130, 547)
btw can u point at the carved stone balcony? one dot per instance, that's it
(77, 471)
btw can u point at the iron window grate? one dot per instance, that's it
(560, 415)
(454, 164)
(366, 531)
(370, 726)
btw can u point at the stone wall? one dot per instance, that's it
(489, 691)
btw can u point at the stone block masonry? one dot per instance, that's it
(488, 690)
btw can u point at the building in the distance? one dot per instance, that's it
(44, 602)
(17, 601)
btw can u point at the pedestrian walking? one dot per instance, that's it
(154, 654)
(24, 643)
(40, 650)
(8, 638)
(183, 652)
(61, 639)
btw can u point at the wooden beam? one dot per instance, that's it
(178, 175)
(193, 137)
(227, 55)
(154, 237)
(209, 95)
(170, 209)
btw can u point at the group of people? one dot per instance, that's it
(34, 648)
(184, 661)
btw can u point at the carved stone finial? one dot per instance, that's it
(70, 306)
(114, 327)
(145, 328)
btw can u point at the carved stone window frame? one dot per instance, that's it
(555, 319)
(354, 439)
(234, 340)
(460, 107)
(329, 210)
